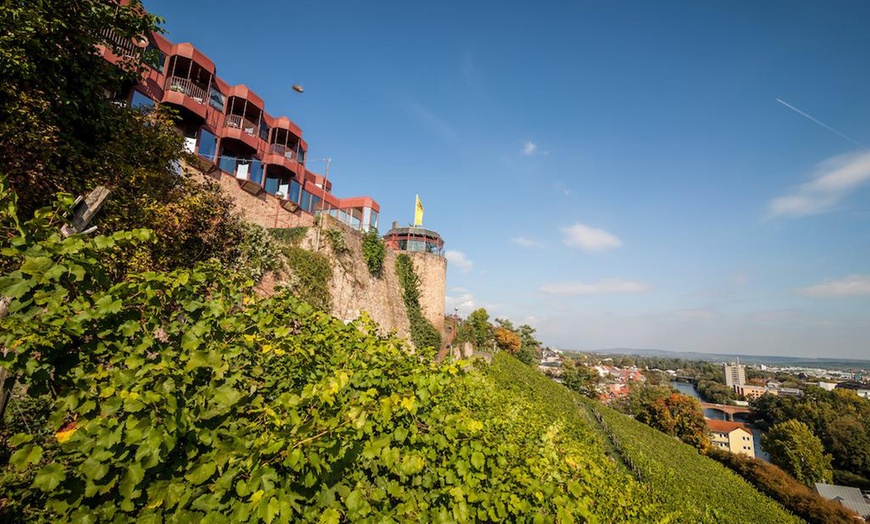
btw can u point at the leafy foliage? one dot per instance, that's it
(839, 418)
(58, 131)
(180, 396)
(336, 241)
(259, 253)
(477, 330)
(580, 378)
(423, 333)
(374, 251)
(679, 416)
(793, 447)
(777, 484)
(289, 235)
(309, 277)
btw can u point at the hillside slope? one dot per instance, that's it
(673, 474)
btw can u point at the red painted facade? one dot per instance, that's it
(228, 126)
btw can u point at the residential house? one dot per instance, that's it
(734, 437)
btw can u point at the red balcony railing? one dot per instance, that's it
(286, 152)
(240, 122)
(184, 85)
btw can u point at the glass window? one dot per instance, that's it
(264, 130)
(256, 172)
(154, 58)
(207, 145)
(141, 101)
(227, 164)
(295, 189)
(271, 185)
(374, 219)
(306, 201)
(300, 157)
(216, 99)
(315, 204)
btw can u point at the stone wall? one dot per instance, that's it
(263, 209)
(352, 288)
(432, 270)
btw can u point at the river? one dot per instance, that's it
(688, 389)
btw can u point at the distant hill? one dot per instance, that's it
(826, 363)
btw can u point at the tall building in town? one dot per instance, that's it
(735, 374)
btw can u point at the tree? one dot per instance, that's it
(580, 378)
(507, 340)
(475, 329)
(679, 416)
(795, 448)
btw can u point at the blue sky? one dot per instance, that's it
(617, 174)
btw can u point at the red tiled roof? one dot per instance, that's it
(724, 426)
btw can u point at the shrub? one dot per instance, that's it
(310, 274)
(374, 251)
(780, 486)
(289, 235)
(423, 333)
(336, 241)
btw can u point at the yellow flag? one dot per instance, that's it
(418, 213)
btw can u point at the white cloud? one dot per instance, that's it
(460, 260)
(560, 187)
(529, 148)
(589, 239)
(526, 242)
(835, 179)
(462, 303)
(851, 286)
(605, 287)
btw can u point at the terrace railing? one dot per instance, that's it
(186, 86)
(287, 152)
(125, 44)
(240, 122)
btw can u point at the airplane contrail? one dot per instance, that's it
(826, 126)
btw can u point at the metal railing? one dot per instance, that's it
(116, 41)
(240, 122)
(280, 149)
(186, 86)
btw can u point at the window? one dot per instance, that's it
(295, 189)
(141, 101)
(306, 201)
(228, 164)
(154, 58)
(216, 99)
(207, 145)
(264, 130)
(271, 185)
(256, 175)
(300, 157)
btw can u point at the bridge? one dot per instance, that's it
(729, 411)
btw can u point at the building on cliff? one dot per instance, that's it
(260, 160)
(233, 137)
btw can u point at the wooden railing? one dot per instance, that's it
(186, 86)
(240, 122)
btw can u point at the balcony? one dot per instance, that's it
(121, 46)
(183, 92)
(240, 122)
